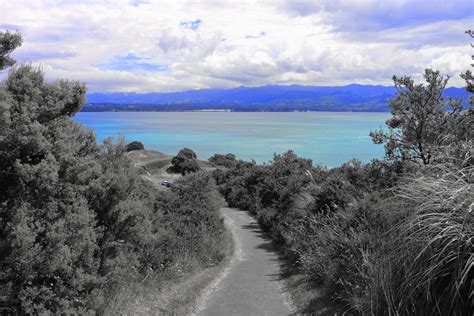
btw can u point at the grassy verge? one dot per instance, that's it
(306, 298)
(176, 289)
(176, 293)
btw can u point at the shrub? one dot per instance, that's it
(345, 231)
(185, 162)
(135, 146)
(76, 220)
(226, 161)
(49, 230)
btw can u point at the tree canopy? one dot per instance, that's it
(75, 217)
(8, 43)
(135, 145)
(422, 121)
(185, 162)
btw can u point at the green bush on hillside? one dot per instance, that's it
(227, 160)
(185, 162)
(135, 146)
(76, 219)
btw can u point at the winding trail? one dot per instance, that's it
(249, 285)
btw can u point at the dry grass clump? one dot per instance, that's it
(432, 257)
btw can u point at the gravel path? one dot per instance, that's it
(250, 284)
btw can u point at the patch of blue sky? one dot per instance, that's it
(132, 63)
(36, 55)
(192, 25)
(10, 27)
(136, 3)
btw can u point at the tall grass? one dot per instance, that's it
(431, 260)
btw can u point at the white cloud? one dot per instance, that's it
(209, 44)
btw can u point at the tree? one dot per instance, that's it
(8, 43)
(48, 229)
(185, 162)
(227, 160)
(64, 201)
(75, 217)
(135, 146)
(422, 120)
(467, 75)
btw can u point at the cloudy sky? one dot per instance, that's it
(142, 46)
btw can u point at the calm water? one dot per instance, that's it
(329, 138)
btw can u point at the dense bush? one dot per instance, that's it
(135, 146)
(390, 237)
(192, 213)
(75, 217)
(185, 162)
(48, 229)
(344, 230)
(227, 160)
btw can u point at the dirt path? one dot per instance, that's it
(250, 285)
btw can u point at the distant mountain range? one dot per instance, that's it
(354, 97)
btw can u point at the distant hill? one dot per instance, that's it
(354, 97)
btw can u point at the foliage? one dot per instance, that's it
(135, 146)
(8, 43)
(421, 122)
(75, 217)
(192, 213)
(468, 77)
(227, 160)
(185, 162)
(388, 237)
(48, 230)
(343, 230)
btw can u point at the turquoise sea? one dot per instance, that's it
(328, 138)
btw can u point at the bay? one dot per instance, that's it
(328, 138)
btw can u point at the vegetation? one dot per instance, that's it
(185, 162)
(391, 237)
(422, 120)
(135, 146)
(431, 256)
(8, 43)
(227, 160)
(76, 219)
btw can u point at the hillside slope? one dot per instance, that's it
(352, 97)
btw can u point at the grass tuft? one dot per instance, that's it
(432, 257)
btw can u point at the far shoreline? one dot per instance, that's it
(228, 111)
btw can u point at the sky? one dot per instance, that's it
(175, 45)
